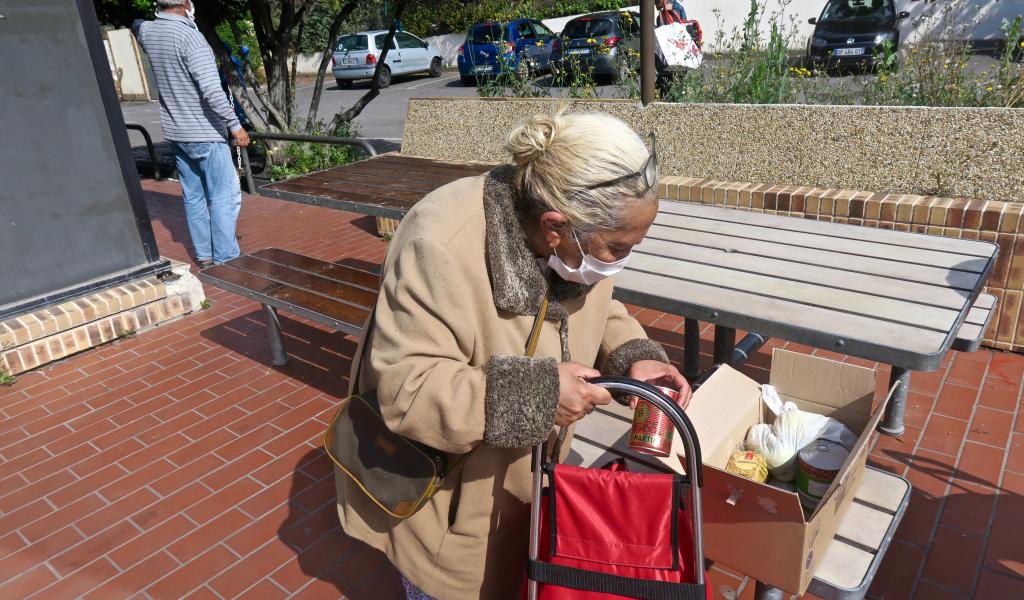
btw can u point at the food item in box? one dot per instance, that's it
(818, 464)
(748, 464)
(792, 430)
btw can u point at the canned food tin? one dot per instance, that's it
(818, 465)
(652, 429)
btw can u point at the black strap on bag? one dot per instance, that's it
(592, 581)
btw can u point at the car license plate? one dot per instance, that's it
(848, 52)
(484, 68)
(578, 51)
(350, 61)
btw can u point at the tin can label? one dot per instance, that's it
(652, 430)
(818, 465)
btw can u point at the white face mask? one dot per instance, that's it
(190, 12)
(590, 271)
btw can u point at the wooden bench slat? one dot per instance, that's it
(329, 288)
(776, 318)
(341, 316)
(343, 273)
(396, 172)
(859, 264)
(427, 163)
(972, 331)
(837, 230)
(375, 181)
(354, 186)
(352, 199)
(934, 258)
(851, 303)
(865, 283)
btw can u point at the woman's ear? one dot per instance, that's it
(553, 226)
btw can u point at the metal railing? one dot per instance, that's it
(149, 147)
(250, 183)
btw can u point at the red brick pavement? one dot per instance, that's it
(180, 464)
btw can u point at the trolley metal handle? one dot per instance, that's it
(694, 468)
(635, 387)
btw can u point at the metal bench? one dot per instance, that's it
(338, 296)
(972, 332)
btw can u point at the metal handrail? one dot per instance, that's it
(295, 137)
(149, 147)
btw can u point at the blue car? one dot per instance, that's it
(492, 46)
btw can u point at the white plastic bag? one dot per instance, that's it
(792, 430)
(676, 48)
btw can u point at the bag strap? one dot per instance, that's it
(619, 585)
(531, 344)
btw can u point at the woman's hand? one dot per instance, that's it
(576, 397)
(661, 374)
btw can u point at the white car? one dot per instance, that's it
(355, 57)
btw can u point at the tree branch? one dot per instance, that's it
(325, 60)
(349, 115)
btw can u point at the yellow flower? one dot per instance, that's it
(883, 78)
(988, 89)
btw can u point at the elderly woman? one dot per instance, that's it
(463, 280)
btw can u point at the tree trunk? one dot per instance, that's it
(294, 72)
(325, 60)
(274, 46)
(349, 115)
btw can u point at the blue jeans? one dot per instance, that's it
(213, 197)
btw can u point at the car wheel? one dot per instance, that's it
(344, 83)
(384, 77)
(435, 68)
(468, 81)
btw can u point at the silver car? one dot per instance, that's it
(355, 57)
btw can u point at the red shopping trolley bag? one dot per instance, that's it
(600, 534)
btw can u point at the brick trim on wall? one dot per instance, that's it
(964, 218)
(34, 339)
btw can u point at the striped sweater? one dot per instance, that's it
(193, 105)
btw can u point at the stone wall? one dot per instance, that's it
(950, 172)
(974, 153)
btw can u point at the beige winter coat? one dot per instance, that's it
(460, 291)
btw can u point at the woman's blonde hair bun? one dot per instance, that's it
(562, 159)
(529, 141)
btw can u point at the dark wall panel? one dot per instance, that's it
(70, 210)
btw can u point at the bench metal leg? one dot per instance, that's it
(892, 424)
(725, 343)
(747, 346)
(279, 357)
(691, 349)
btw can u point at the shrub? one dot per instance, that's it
(291, 159)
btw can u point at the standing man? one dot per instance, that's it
(196, 118)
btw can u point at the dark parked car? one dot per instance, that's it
(491, 46)
(853, 32)
(595, 41)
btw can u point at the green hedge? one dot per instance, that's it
(457, 16)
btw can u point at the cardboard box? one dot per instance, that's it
(754, 528)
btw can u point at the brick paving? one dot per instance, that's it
(180, 464)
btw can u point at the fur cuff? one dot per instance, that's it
(520, 402)
(623, 357)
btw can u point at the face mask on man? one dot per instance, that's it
(190, 12)
(590, 271)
